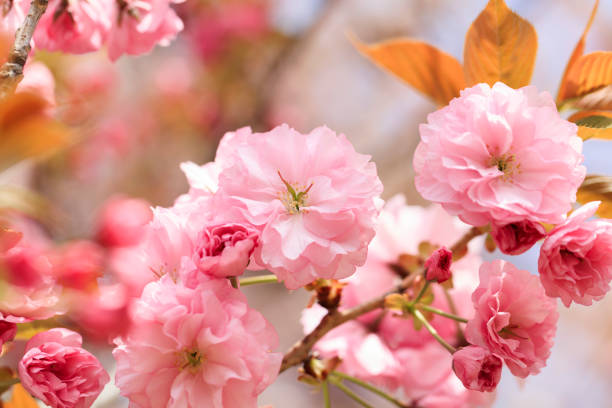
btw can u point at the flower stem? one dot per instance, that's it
(443, 313)
(369, 387)
(233, 281)
(418, 315)
(254, 280)
(325, 387)
(349, 393)
(422, 292)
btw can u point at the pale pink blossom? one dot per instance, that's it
(13, 13)
(59, 372)
(575, 261)
(122, 221)
(517, 237)
(500, 154)
(139, 25)
(74, 27)
(438, 265)
(8, 330)
(193, 347)
(477, 368)
(514, 319)
(225, 250)
(314, 199)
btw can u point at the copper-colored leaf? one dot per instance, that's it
(26, 130)
(597, 188)
(577, 53)
(20, 399)
(590, 73)
(599, 99)
(593, 124)
(499, 46)
(428, 69)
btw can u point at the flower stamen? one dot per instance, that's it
(190, 359)
(294, 198)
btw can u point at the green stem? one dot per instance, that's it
(369, 387)
(417, 314)
(233, 281)
(254, 280)
(442, 313)
(350, 393)
(325, 387)
(453, 309)
(422, 292)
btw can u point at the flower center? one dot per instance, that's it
(506, 163)
(294, 197)
(190, 359)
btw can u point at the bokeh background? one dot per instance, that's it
(260, 63)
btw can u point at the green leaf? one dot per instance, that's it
(7, 379)
(595, 122)
(25, 331)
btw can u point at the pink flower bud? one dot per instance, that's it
(517, 237)
(122, 222)
(477, 368)
(225, 250)
(8, 331)
(438, 265)
(56, 370)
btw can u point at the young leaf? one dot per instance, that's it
(577, 53)
(593, 124)
(599, 99)
(431, 71)
(597, 188)
(20, 399)
(499, 46)
(590, 73)
(25, 331)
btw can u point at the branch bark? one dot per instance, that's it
(11, 72)
(334, 318)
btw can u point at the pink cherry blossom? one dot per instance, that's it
(225, 250)
(438, 265)
(75, 27)
(477, 368)
(78, 265)
(313, 198)
(517, 237)
(193, 347)
(122, 221)
(514, 319)
(13, 14)
(139, 25)
(575, 261)
(56, 370)
(500, 154)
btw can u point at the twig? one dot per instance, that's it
(11, 72)
(417, 314)
(459, 249)
(334, 318)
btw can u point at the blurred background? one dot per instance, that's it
(261, 63)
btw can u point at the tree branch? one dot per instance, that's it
(334, 318)
(11, 72)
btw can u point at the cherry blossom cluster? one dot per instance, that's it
(123, 26)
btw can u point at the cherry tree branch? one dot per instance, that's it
(334, 318)
(11, 72)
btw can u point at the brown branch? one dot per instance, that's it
(459, 248)
(334, 318)
(11, 72)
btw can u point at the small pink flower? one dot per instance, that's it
(56, 370)
(8, 330)
(78, 265)
(438, 265)
(477, 368)
(500, 154)
(517, 237)
(313, 198)
(575, 261)
(138, 25)
(74, 27)
(225, 250)
(13, 13)
(194, 347)
(514, 318)
(122, 221)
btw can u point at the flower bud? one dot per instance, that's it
(477, 368)
(438, 265)
(517, 237)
